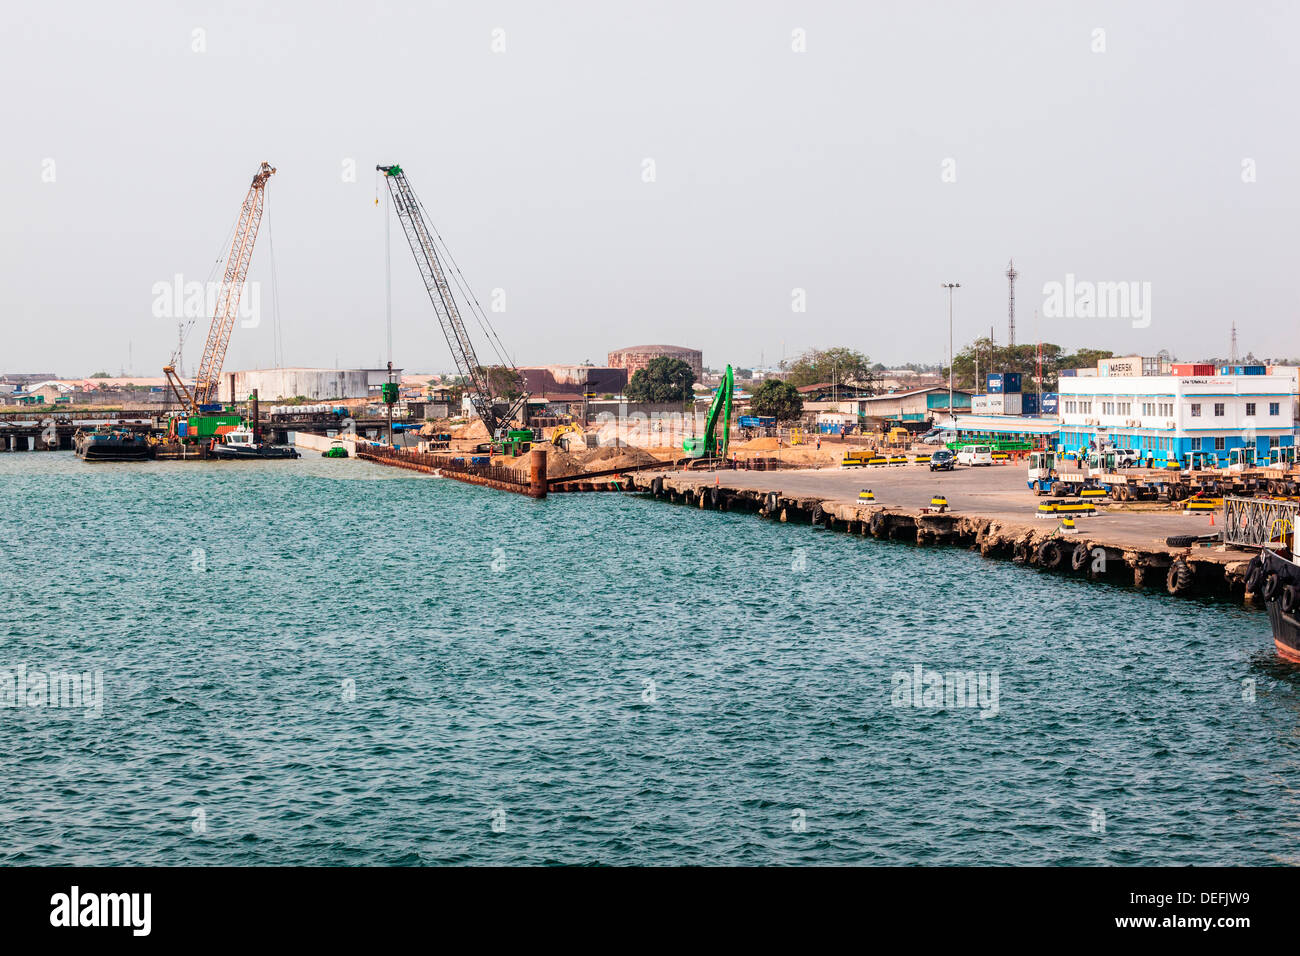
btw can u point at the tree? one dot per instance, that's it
(841, 366)
(507, 383)
(664, 379)
(778, 399)
(1018, 358)
(101, 375)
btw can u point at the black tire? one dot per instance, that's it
(1177, 492)
(1290, 599)
(1178, 578)
(1050, 554)
(1254, 574)
(1058, 489)
(1272, 585)
(1079, 559)
(1180, 540)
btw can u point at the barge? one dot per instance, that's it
(110, 443)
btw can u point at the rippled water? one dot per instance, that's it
(595, 679)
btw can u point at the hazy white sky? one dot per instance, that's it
(774, 170)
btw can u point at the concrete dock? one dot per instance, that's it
(989, 509)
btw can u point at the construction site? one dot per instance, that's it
(1112, 509)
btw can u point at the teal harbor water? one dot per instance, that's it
(328, 662)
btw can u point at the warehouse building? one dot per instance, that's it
(1170, 416)
(544, 381)
(915, 407)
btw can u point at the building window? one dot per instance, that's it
(1196, 444)
(1218, 409)
(1250, 409)
(1219, 444)
(1274, 442)
(1196, 409)
(1274, 408)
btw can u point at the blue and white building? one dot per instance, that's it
(1169, 416)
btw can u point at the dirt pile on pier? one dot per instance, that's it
(608, 456)
(760, 444)
(563, 464)
(474, 431)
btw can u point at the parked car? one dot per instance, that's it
(975, 455)
(935, 438)
(942, 460)
(1127, 457)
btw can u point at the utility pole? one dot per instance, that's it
(952, 412)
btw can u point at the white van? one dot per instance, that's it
(975, 455)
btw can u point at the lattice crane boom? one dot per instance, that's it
(420, 235)
(208, 379)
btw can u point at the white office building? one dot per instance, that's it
(1170, 416)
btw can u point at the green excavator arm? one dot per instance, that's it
(711, 445)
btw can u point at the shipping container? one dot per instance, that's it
(1069, 373)
(1192, 368)
(1051, 402)
(1255, 370)
(997, 404)
(1029, 403)
(205, 426)
(994, 382)
(1010, 382)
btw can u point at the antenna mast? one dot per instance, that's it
(1011, 301)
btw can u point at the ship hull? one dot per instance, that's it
(1284, 619)
(260, 453)
(112, 449)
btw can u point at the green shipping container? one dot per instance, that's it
(205, 426)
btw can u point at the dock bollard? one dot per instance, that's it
(940, 503)
(866, 494)
(1067, 526)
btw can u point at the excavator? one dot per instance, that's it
(712, 446)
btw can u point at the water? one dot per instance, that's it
(501, 653)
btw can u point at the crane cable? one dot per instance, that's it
(475, 308)
(222, 252)
(277, 341)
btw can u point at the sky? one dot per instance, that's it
(752, 179)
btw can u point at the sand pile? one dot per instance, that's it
(759, 444)
(559, 463)
(608, 456)
(474, 431)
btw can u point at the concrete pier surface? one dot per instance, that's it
(990, 509)
(996, 491)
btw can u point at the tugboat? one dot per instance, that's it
(239, 443)
(110, 443)
(336, 450)
(1274, 575)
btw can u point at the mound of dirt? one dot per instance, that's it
(760, 444)
(609, 456)
(474, 431)
(559, 463)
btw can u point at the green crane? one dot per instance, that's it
(713, 445)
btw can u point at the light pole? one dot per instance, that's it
(952, 412)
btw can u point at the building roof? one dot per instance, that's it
(884, 396)
(634, 348)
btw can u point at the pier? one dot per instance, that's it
(987, 509)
